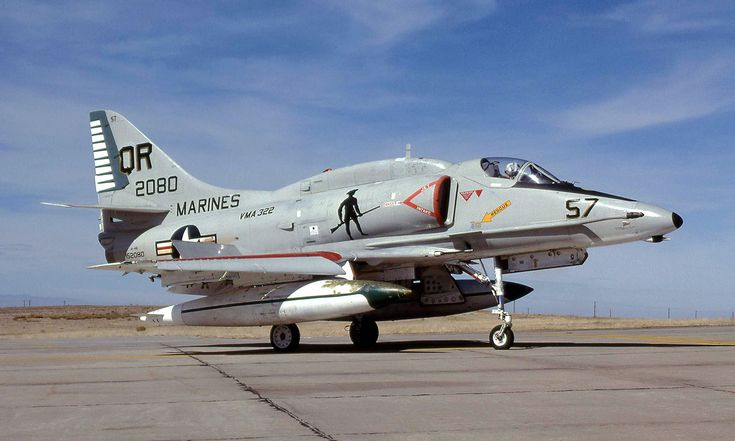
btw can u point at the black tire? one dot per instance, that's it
(364, 332)
(285, 338)
(504, 341)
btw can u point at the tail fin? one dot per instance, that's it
(139, 186)
(130, 170)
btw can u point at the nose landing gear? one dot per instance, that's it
(501, 336)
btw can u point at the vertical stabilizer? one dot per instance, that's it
(131, 170)
(141, 187)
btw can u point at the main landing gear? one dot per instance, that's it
(285, 338)
(364, 332)
(501, 336)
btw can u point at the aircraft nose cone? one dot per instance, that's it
(678, 221)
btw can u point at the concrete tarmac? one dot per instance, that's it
(652, 384)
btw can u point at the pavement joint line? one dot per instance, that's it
(56, 406)
(553, 391)
(514, 427)
(436, 349)
(80, 368)
(260, 396)
(70, 383)
(239, 438)
(31, 359)
(712, 388)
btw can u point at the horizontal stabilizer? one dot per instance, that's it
(130, 209)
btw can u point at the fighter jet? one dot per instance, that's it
(382, 240)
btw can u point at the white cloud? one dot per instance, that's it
(693, 90)
(665, 17)
(42, 14)
(389, 21)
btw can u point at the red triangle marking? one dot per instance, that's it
(466, 194)
(478, 192)
(433, 213)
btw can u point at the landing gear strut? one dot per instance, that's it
(501, 337)
(285, 338)
(364, 332)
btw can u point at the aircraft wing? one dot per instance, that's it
(210, 263)
(197, 256)
(298, 265)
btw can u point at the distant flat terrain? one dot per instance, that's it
(111, 321)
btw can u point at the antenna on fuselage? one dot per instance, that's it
(408, 151)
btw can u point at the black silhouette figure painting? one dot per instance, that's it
(348, 212)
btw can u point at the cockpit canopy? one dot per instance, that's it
(518, 170)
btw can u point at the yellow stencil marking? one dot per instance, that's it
(489, 216)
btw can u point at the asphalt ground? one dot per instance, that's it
(647, 384)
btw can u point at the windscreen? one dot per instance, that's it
(533, 174)
(518, 170)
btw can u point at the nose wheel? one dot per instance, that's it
(501, 337)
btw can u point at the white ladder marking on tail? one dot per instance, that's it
(105, 186)
(104, 170)
(103, 179)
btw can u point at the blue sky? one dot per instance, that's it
(632, 98)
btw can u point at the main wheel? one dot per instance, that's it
(364, 332)
(502, 340)
(285, 338)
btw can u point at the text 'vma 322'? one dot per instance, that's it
(376, 241)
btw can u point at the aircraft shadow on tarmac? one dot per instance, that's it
(423, 346)
(384, 347)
